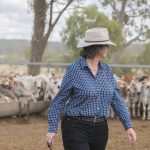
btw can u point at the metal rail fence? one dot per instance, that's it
(42, 64)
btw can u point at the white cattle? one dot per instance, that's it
(27, 81)
(17, 87)
(4, 98)
(7, 95)
(132, 97)
(128, 97)
(145, 99)
(40, 84)
(52, 88)
(36, 85)
(138, 91)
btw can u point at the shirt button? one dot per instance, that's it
(97, 108)
(97, 89)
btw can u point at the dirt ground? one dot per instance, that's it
(30, 135)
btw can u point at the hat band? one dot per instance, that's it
(97, 41)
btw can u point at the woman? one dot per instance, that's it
(87, 91)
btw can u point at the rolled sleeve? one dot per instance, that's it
(58, 103)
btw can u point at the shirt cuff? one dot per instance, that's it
(52, 129)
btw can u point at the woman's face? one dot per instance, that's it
(103, 52)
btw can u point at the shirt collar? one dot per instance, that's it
(84, 64)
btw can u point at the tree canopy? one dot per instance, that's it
(132, 15)
(89, 17)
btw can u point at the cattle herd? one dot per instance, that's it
(135, 90)
(34, 88)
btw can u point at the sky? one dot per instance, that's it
(17, 20)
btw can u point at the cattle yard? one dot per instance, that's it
(30, 134)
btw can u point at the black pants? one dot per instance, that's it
(83, 135)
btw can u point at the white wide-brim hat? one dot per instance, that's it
(95, 36)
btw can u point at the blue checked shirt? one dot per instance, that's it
(83, 94)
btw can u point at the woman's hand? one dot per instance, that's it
(50, 138)
(131, 134)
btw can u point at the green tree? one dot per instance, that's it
(132, 15)
(83, 19)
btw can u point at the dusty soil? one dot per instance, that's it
(30, 135)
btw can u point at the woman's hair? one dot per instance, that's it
(90, 51)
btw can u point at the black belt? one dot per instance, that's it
(86, 118)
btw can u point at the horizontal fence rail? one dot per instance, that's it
(66, 64)
(130, 66)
